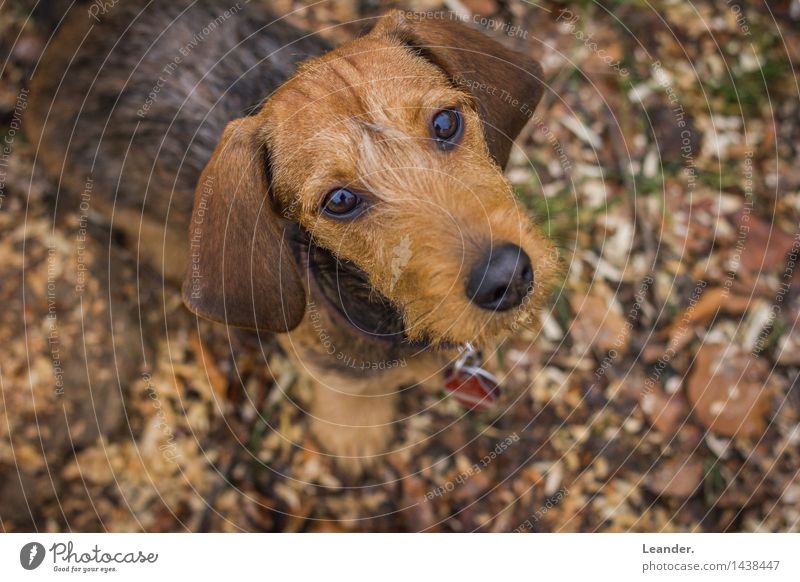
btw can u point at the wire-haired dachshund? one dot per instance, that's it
(351, 200)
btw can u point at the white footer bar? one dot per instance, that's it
(401, 557)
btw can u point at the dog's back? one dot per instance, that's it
(129, 102)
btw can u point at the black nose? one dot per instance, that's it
(501, 279)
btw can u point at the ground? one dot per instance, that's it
(661, 394)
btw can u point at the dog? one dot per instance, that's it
(350, 200)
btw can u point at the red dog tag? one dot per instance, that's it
(472, 386)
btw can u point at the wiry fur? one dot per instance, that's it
(372, 135)
(356, 117)
(94, 115)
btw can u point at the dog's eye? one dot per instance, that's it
(341, 203)
(446, 126)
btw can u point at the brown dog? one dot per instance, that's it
(361, 211)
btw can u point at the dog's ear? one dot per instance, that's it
(241, 272)
(505, 84)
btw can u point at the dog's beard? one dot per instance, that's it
(348, 289)
(471, 325)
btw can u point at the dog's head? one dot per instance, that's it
(389, 152)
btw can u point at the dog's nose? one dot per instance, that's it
(501, 279)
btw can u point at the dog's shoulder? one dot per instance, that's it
(151, 87)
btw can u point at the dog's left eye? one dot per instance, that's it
(341, 203)
(447, 126)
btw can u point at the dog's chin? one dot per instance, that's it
(476, 326)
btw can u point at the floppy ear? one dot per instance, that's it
(242, 272)
(505, 84)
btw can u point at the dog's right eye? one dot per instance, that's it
(341, 203)
(447, 127)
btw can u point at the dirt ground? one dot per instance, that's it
(661, 394)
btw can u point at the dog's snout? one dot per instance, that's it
(501, 279)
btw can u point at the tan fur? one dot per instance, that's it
(452, 205)
(359, 117)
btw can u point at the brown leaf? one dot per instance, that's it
(787, 352)
(481, 7)
(765, 246)
(727, 390)
(663, 411)
(597, 324)
(677, 477)
(712, 301)
(419, 511)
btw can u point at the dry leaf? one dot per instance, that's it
(677, 477)
(598, 324)
(663, 411)
(728, 392)
(711, 302)
(765, 246)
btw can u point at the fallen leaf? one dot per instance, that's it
(728, 392)
(765, 245)
(481, 7)
(788, 350)
(677, 477)
(711, 302)
(598, 324)
(663, 411)
(419, 511)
